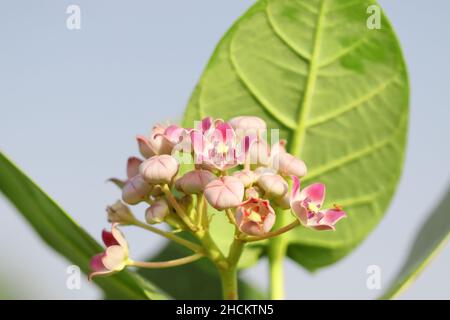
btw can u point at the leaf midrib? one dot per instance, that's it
(298, 140)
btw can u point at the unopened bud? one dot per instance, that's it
(135, 190)
(247, 177)
(288, 165)
(120, 213)
(194, 182)
(159, 169)
(273, 185)
(226, 192)
(157, 212)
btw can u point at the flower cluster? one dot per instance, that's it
(230, 167)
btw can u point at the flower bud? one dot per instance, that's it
(253, 192)
(156, 144)
(226, 192)
(135, 190)
(248, 125)
(288, 165)
(194, 182)
(120, 213)
(159, 169)
(255, 217)
(157, 212)
(273, 185)
(247, 177)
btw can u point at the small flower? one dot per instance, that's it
(115, 258)
(307, 205)
(288, 165)
(159, 169)
(216, 145)
(255, 217)
(223, 193)
(195, 181)
(247, 177)
(119, 213)
(157, 212)
(273, 184)
(136, 190)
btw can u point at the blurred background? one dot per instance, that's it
(72, 101)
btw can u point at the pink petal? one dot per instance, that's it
(133, 164)
(295, 193)
(96, 263)
(300, 212)
(315, 193)
(226, 131)
(206, 124)
(197, 141)
(174, 133)
(144, 147)
(332, 216)
(108, 239)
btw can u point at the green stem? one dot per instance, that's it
(228, 278)
(180, 211)
(276, 233)
(276, 253)
(167, 264)
(194, 247)
(229, 275)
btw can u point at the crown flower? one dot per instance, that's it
(215, 168)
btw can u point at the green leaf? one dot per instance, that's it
(432, 237)
(199, 280)
(61, 233)
(337, 91)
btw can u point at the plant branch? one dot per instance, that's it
(272, 234)
(180, 211)
(167, 264)
(194, 247)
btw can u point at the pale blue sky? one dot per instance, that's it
(71, 103)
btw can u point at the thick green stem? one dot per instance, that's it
(277, 252)
(228, 278)
(229, 275)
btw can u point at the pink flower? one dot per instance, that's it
(255, 217)
(216, 145)
(195, 181)
(161, 141)
(223, 193)
(307, 205)
(115, 258)
(159, 169)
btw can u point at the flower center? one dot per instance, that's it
(254, 217)
(222, 148)
(313, 207)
